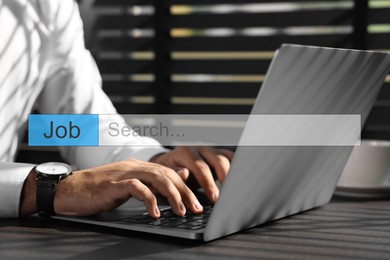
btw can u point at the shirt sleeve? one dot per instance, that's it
(73, 86)
(13, 175)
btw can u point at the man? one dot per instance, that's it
(43, 63)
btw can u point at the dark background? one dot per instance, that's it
(210, 56)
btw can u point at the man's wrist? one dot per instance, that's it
(28, 204)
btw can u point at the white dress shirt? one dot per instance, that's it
(43, 63)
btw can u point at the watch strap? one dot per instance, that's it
(45, 198)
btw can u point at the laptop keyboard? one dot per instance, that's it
(169, 219)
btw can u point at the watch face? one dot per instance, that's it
(53, 168)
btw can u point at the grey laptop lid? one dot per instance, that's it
(267, 183)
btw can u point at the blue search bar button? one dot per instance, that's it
(63, 130)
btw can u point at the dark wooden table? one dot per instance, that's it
(344, 229)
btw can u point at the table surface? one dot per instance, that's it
(344, 229)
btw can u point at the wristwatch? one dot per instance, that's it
(48, 176)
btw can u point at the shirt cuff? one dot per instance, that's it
(12, 177)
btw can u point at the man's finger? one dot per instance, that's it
(187, 195)
(142, 193)
(228, 153)
(217, 160)
(202, 173)
(155, 177)
(183, 173)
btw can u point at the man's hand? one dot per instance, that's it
(106, 187)
(200, 161)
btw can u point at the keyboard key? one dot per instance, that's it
(168, 213)
(195, 217)
(180, 220)
(170, 224)
(161, 221)
(145, 221)
(196, 227)
(200, 221)
(185, 226)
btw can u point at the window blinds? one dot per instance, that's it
(210, 56)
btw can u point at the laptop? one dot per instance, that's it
(266, 183)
